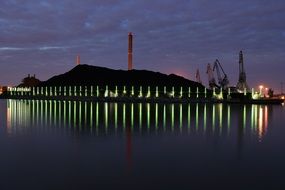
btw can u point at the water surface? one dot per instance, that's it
(77, 145)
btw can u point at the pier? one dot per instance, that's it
(137, 94)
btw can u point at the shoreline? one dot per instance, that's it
(266, 101)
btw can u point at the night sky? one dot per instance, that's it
(43, 37)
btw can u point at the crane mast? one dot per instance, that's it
(198, 78)
(242, 84)
(211, 78)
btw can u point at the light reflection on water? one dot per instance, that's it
(111, 118)
(113, 144)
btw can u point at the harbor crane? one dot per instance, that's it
(242, 84)
(211, 78)
(222, 80)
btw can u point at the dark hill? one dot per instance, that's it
(86, 75)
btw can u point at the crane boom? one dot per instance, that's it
(216, 67)
(223, 81)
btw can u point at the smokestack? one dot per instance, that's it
(130, 52)
(78, 60)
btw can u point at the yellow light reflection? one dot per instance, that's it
(260, 123)
(42, 114)
(252, 118)
(220, 107)
(265, 119)
(132, 116)
(9, 114)
(229, 119)
(116, 116)
(255, 117)
(213, 117)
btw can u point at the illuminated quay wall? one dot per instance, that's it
(121, 92)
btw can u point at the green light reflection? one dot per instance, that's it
(252, 119)
(229, 118)
(172, 117)
(69, 113)
(42, 113)
(74, 114)
(197, 117)
(213, 117)
(220, 107)
(59, 113)
(64, 113)
(46, 112)
(85, 113)
(47, 115)
(244, 117)
(140, 115)
(189, 117)
(148, 115)
(124, 115)
(116, 116)
(205, 117)
(132, 116)
(106, 108)
(91, 116)
(80, 115)
(156, 116)
(180, 117)
(97, 115)
(164, 117)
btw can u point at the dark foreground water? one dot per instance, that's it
(82, 145)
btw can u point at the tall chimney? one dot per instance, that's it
(130, 52)
(78, 60)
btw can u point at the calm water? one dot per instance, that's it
(83, 145)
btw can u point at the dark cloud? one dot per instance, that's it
(44, 36)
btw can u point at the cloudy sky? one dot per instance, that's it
(43, 37)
